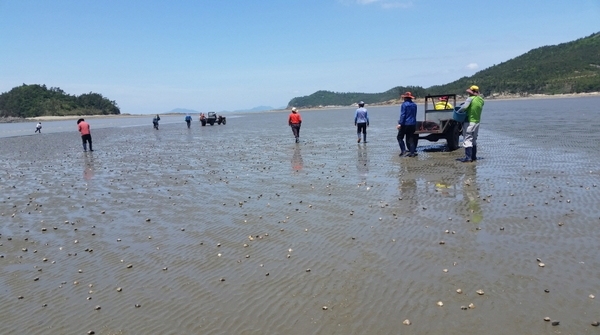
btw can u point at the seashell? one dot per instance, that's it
(445, 270)
(591, 296)
(406, 322)
(480, 292)
(546, 319)
(463, 307)
(595, 323)
(119, 289)
(541, 265)
(325, 308)
(555, 323)
(439, 303)
(138, 305)
(442, 242)
(459, 291)
(97, 308)
(308, 270)
(471, 306)
(129, 266)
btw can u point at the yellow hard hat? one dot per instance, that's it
(474, 88)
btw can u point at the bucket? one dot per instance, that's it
(459, 117)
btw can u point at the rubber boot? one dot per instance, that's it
(402, 147)
(468, 156)
(365, 138)
(474, 155)
(84, 146)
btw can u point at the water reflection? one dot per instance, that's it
(471, 193)
(297, 163)
(88, 165)
(362, 162)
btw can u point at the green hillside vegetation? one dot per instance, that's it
(37, 100)
(572, 67)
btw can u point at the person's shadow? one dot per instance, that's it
(297, 163)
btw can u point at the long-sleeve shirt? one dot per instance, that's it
(473, 107)
(294, 118)
(361, 116)
(408, 114)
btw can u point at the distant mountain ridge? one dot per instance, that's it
(572, 67)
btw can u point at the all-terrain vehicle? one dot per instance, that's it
(213, 118)
(438, 122)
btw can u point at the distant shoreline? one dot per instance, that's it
(387, 103)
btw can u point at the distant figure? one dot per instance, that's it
(295, 121)
(361, 121)
(155, 121)
(188, 120)
(203, 119)
(473, 107)
(38, 128)
(84, 129)
(443, 104)
(407, 125)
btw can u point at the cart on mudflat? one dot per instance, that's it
(439, 122)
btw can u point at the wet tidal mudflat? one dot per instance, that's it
(236, 229)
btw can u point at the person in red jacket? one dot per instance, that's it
(84, 129)
(295, 121)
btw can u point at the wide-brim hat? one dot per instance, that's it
(294, 109)
(474, 90)
(407, 95)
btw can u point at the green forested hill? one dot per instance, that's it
(572, 67)
(38, 100)
(327, 98)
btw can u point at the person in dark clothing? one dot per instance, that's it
(188, 120)
(407, 125)
(155, 121)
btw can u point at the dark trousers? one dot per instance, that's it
(86, 138)
(296, 129)
(361, 128)
(38, 130)
(188, 123)
(408, 132)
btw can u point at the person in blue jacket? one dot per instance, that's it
(361, 121)
(188, 120)
(407, 125)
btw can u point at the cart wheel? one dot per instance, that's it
(453, 136)
(224, 121)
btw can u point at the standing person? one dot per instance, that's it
(38, 128)
(473, 107)
(155, 121)
(188, 120)
(407, 125)
(295, 121)
(361, 121)
(84, 129)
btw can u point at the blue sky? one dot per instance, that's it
(153, 56)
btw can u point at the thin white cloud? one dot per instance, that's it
(472, 66)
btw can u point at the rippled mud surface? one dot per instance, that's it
(236, 229)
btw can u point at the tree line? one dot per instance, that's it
(37, 100)
(572, 67)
